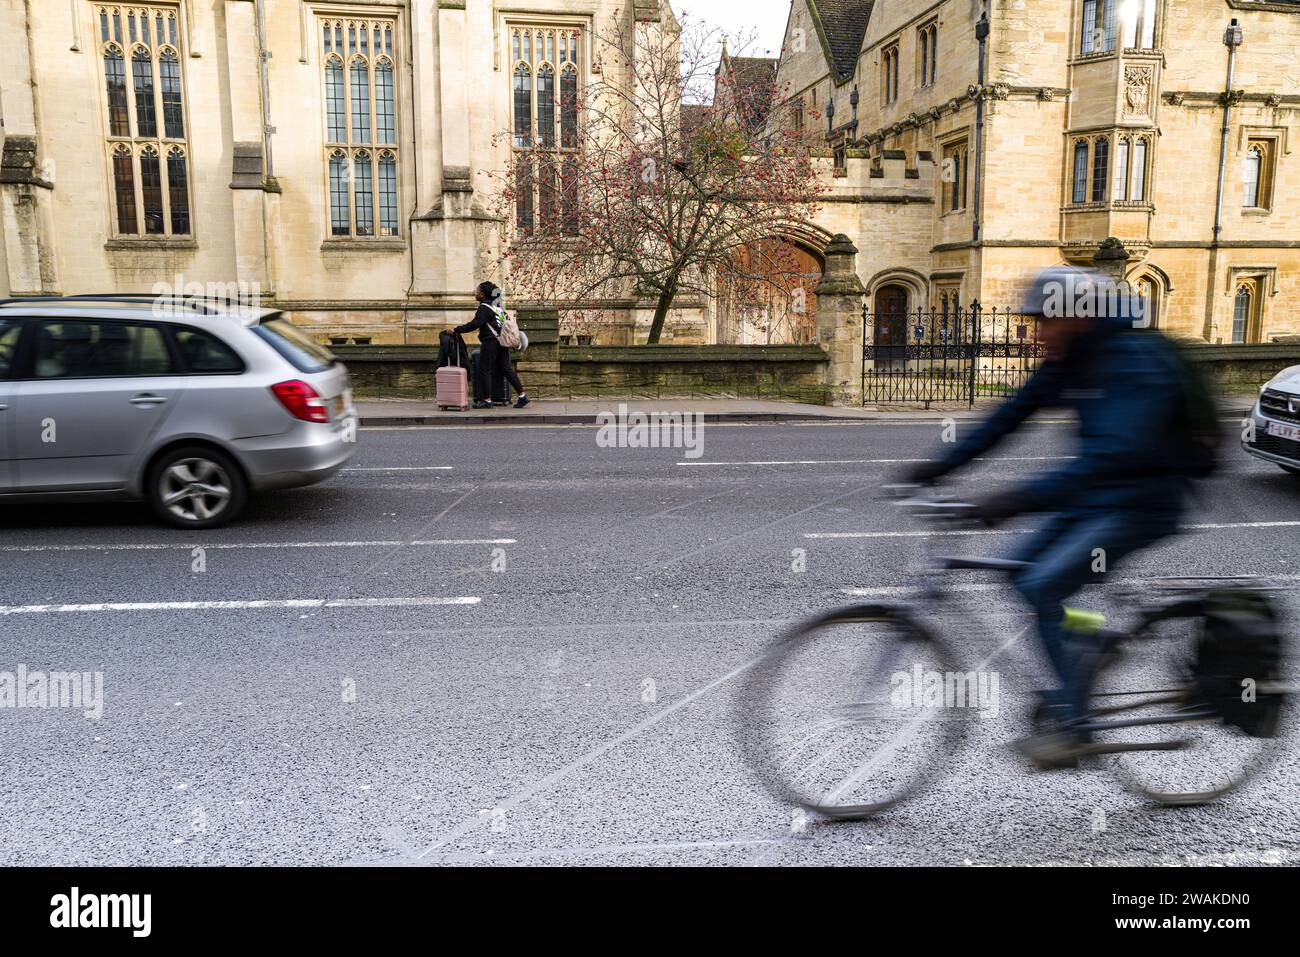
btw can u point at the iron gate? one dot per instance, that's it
(947, 355)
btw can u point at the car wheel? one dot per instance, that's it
(196, 487)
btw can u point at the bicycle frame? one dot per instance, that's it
(959, 519)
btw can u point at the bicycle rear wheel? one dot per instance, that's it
(836, 717)
(1178, 748)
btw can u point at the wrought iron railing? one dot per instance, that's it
(948, 355)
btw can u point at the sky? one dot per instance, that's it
(763, 20)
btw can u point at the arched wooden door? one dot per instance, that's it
(891, 326)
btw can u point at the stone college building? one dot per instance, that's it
(336, 154)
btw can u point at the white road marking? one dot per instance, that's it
(1001, 648)
(410, 468)
(235, 605)
(963, 532)
(1027, 531)
(164, 546)
(398, 602)
(1013, 458)
(1245, 525)
(463, 541)
(897, 591)
(792, 424)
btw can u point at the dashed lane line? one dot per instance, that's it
(143, 606)
(165, 546)
(1010, 458)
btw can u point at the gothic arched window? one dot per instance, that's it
(1139, 191)
(147, 160)
(361, 113)
(523, 107)
(1099, 30)
(1080, 192)
(1122, 150)
(1100, 169)
(545, 79)
(1148, 296)
(546, 106)
(569, 108)
(1242, 309)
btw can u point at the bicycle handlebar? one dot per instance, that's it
(925, 502)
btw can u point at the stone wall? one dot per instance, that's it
(1235, 369)
(791, 373)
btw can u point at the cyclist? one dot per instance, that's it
(1125, 489)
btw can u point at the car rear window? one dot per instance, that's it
(303, 352)
(205, 354)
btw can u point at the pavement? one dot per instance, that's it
(515, 646)
(378, 411)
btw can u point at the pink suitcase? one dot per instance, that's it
(453, 388)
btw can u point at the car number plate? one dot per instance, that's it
(1284, 431)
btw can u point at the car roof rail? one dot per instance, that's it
(199, 303)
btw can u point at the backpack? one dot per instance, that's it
(1198, 426)
(508, 335)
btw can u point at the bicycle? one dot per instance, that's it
(905, 707)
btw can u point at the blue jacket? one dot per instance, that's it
(1128, 391)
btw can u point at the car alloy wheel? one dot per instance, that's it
(195, 489)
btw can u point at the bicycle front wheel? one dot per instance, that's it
(849, 714)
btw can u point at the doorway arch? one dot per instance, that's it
(890, 307)
(770, 298)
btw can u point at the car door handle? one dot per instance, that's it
(3, 406)
(147, 399)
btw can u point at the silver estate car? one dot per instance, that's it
(188, 404)
(1276, 416)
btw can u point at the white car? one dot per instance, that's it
(1276, 435)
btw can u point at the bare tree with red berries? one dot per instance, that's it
(631, 191)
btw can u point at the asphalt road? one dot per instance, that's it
(511, 645)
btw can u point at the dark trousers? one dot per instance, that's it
(494, 370)
(1063, 555)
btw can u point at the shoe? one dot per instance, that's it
(1052, 750)
(523, 401)
(481, 405)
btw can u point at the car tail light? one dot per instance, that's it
(302, 401)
